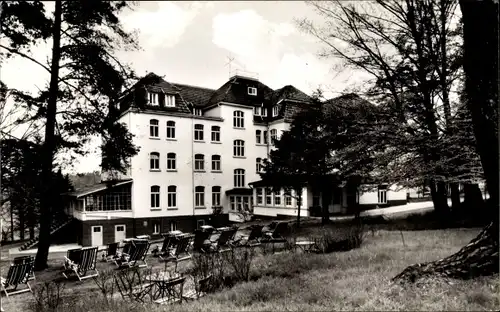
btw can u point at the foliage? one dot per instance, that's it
(48, 297)
(86, 80)
(412, 52)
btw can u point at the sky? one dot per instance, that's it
(192, 42)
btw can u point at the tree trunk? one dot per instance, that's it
(455, 197)
(326, 198)
(473, 198)
(481, 85)
(478, 258)
(439, 198)
(49, 146)
(299, 205)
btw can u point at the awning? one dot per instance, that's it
(239, 191)
(97, 188)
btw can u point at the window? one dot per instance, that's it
(156, 227)
(173, 226)
(170, 129)
(216, 196)
(171, 161)
(274, 136)
(153, 99)
(239, 177)
(199, 162)
(288, 199)
(216, 163)
(197, 112)
(265, 137)
(258, 165)
(215, 134)
(172, 196)
(239, 148)
(238, 119)
(199, 194)
(256, 111)
(276, 111)
(277, 198)
(155, 196)
(153, 128)
(382, 195)
(264, 111)
(198, 132)
(260, 196)
(154, 161)
(316, 199)
(252, 91)
(257, 136)
(269, 197)
(232, 201)
(170, 100)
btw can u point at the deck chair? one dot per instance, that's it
(112, 253)
(129, 285)
(175, 289)
(85, 263)
(17, 275)
(180, 253)
(222, 244)
(136, 253)
(276, 235)
(201, 288)
(201, 241)
(251, 240)
(72, 256)
(22, 259)
(169, 242)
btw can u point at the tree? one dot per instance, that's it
(85, 81)
(287, 168)
(410, 50)
(481, 255)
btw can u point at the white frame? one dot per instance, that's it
(155, 223)
(239, 177)
(173, 195)
(92, 234)
(155, 128)
(124, 230)
(171, 128)
(252, 91)
(169, 100)
(199, 197)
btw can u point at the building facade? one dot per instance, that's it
(200, 149)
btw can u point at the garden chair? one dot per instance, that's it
(276, 235)
(137, 252)
(17, 275)
(72, 256)
(131, 287)
(180, 253)
(174, 289)
(23, 259)
(201, 241)
(86, 262)
(251, 240)
(201, 288)
(111, 253)
(222, 243)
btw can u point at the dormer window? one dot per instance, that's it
(169, 100)
(153, 99)
(264, 111)
(276, 111)
(197, 112)
(252, 91)
(256, 111)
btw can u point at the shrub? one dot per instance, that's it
(106, 284)
(240, 259)
(48, 297)
(206, 264)
(331, 240)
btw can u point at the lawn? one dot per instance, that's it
(353, 280)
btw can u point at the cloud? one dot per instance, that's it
(164, 27)
(274, 50)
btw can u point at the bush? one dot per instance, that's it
(48, 297)
(331, 240)
(240, 260)
(206, 264)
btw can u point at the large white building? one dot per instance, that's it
(199, 151)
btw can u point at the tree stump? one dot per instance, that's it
(478, 258)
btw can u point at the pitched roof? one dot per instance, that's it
(235, 91)
(197, 96)
(289, 92)
(87, 190)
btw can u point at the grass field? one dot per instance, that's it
(353, 280)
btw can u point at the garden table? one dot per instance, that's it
(306, 246)
(164, 284)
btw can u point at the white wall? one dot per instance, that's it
(273, 210)
(371, 196)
